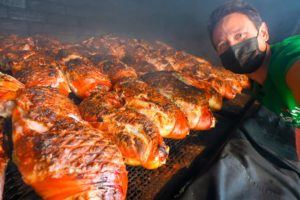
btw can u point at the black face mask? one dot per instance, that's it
(244, 57)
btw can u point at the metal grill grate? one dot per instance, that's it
(15, 188)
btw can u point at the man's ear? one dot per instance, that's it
(264, 32)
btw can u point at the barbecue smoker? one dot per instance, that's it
(181, 25)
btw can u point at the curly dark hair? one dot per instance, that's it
(239, 6)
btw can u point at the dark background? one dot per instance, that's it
(180, 23)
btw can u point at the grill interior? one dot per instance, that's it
(178, 23)
(162, 182)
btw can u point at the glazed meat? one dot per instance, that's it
(136, 136)
(215, 99)
(224, 82)
(47, 44)
(139, 96)
(191, 101)
(70, 161)
(3, 157)
(69, 52)
(60, 155)
(116, 70)
(107, 45)
(139, 54)
(147, 57)
(142, 55)
(40, 108)
(15, 50)
(241, 79)
(8, 93)
(180, 60)
(40, 70)
(84, 78)
(7, 40)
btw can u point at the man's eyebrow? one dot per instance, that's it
(239, 30)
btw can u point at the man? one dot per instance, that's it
(240, 38)
(259, 160)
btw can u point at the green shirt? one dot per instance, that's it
(275, 93)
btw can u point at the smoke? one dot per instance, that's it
(182, 23)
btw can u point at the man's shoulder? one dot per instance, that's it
(291, 43)
(292, 39)
(284, 54)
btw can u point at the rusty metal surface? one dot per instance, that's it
(146, 184)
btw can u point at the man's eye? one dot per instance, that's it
(239, 36)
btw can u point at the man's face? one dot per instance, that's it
(235, 28)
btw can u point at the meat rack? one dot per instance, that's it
(186, 158)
